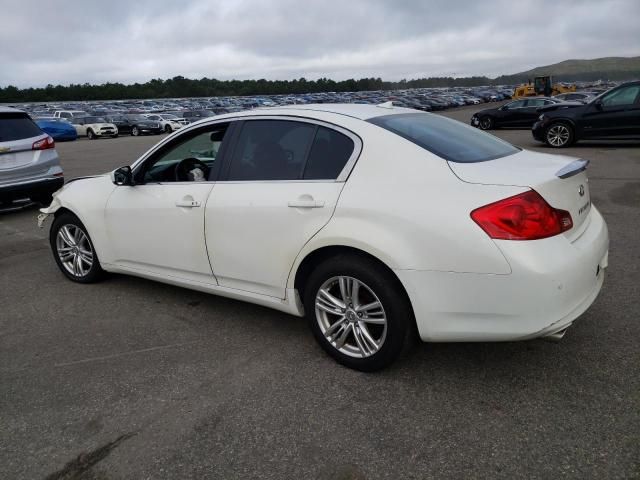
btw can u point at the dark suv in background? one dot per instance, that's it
(29, 163)
(614, 115)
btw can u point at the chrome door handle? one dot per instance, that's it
(187, 203)
(306, 204)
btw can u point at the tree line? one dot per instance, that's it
(178, 87)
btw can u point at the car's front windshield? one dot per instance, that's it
(94, 120)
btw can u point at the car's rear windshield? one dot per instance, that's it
(452, 140)
(16, 126)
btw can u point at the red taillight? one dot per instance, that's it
(43, 144)
(522, 217)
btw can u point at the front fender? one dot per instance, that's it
(86, 199)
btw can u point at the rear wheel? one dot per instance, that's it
(559, 135)
(357, 311)
(486, 123)
(73, 250)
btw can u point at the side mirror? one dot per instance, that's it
(598, 104)
(122, 176)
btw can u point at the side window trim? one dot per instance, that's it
(342, 177)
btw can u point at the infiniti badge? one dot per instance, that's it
(581, 190)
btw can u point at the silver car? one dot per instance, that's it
(29, 164)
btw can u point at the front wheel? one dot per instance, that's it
(168, 129)
(73, 250)
(559, 135)
(135, 132)
(358, 312)
(91, 135)
(486, 123)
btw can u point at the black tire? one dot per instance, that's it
(559, 135)
(388, 290)
(135, 132)
(87, 275)
(91, 135)
(114, 136)
(168, 129)
(486, 123)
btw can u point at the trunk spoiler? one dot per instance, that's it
(572, 168)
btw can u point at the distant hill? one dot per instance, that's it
(608, 68)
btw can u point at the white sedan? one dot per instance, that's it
(169, 122)
(365, 219)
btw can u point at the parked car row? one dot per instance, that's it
(614, 114)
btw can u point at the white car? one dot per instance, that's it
(168, 121)
(94, 127)
(365, 219)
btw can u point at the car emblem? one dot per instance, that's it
(581, 190)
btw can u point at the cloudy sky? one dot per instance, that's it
(69, 41)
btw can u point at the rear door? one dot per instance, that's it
(280, 188)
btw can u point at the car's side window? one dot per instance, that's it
(329, 154)
(535, 103)
(622, 96)
(271, 150)
(191, 157)
(516, 104)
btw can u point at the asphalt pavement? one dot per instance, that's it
(131, 379)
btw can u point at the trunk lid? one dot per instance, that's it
(561, 180)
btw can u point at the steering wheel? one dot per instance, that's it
(183, 168)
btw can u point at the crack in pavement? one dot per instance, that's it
(74, 469)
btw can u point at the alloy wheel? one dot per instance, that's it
(486, 123)
(74, 250)
(351, 316)
(558, 135)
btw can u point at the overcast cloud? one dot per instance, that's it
(69, 41)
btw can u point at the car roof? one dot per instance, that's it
(10, 110)
(354, 110)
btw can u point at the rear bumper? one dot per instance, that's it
(553, 282)
(43, 186)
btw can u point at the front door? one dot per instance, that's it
(617, 115)
(157, 225)
(280, 189)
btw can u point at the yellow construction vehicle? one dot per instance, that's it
(541, 86)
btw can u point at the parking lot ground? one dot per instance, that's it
(130, 379)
